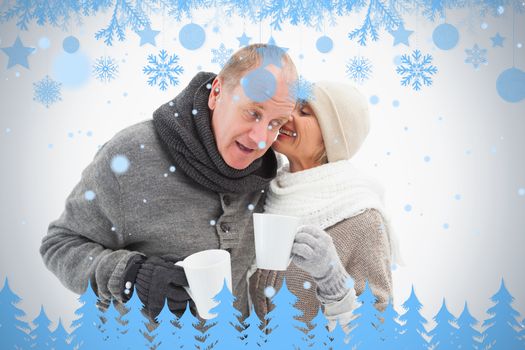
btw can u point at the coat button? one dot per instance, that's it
(227, 200)
(225, 227)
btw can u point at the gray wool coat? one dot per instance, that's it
(147, 209)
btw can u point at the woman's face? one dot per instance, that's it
(307, 144)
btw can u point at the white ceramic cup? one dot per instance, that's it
(274, 236)
(206, 271)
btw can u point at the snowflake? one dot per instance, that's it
(163, 69)
(47, 91)
(301, 89)
(221, 55)
(476, 56)
(417, 70)
(105, 69)
(358, 69)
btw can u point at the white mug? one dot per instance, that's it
(206, 271)
(274, 236)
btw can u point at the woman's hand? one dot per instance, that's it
(314, 252)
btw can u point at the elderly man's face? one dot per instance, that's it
(244, 129)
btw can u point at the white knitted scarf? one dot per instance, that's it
(328, 194)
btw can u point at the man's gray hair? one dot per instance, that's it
(250, 57)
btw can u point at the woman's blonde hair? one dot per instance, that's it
(322, 158)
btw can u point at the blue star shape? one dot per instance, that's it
(401, 35)
(147, 36)
(272, 54)
(497, 40)
(244, 40)
(18, 54)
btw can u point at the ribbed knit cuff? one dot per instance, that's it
(116, 281)
(333, 287)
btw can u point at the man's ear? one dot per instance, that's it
(214, 93)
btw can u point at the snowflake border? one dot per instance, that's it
(134, 14)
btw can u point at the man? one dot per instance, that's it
(186, 181)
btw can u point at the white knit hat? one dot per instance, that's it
(342, 113)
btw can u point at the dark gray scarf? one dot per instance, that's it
(189, 138)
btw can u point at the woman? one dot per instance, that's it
(345, 239)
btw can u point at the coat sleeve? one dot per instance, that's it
(86, 241)
(341, 311)
(370, 258)
(363, 246)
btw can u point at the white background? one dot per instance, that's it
(473, 137)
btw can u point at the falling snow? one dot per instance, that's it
(269, 291)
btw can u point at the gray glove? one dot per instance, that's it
(314, 252)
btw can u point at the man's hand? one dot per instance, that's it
(156, 279)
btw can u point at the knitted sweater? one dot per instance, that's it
(153, 208)
(364, 250)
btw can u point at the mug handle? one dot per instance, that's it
(187, 289)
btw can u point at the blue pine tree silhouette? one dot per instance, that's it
(390, 328)
(87, 333)
(13, 331)
(413, 327)
(60, 337)
(444, 333)
(501, 332)
(225, 335)
(136, 327)
(365, 333)
(285, 329)
(166, 332)
(468, 338)
(253, 335)
(204, 343)
(522, 333)
(319, 334)
(112, 328)
(188, 332)
(41, 334)
(340, 340)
